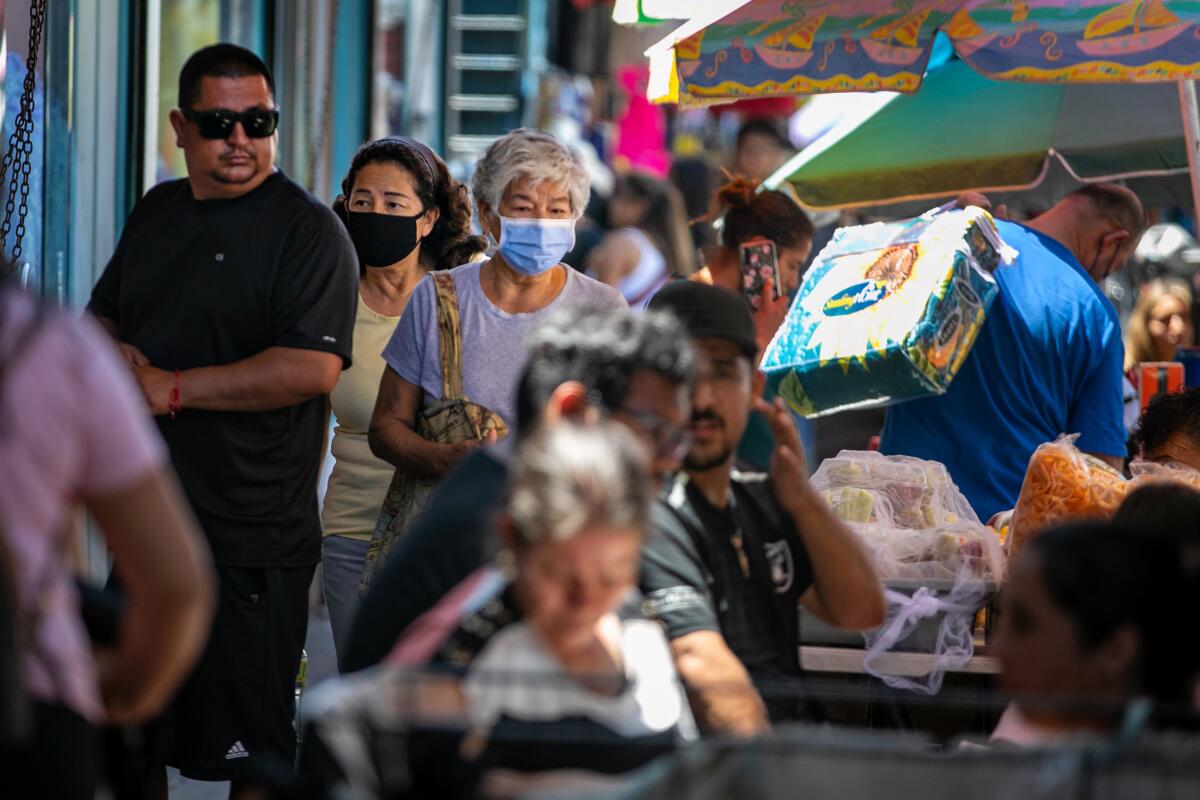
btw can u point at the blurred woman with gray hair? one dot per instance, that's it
(534, 668)
(529, 189)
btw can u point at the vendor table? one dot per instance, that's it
(849, 661)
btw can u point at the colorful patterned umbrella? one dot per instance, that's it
(792, 47)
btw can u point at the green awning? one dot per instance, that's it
(964, 131)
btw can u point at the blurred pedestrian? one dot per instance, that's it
(649, 243)
(461, 341)
(1091, 619)
(696, 179)
(73, 432)
(1160, 324)
(406, 216)
(761, 148)
(232, 294)
(537, 669)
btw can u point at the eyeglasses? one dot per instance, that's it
(258, 123)
(670, 440)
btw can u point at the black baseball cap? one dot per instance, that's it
(709, 311)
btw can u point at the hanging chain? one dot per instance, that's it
(18, 158)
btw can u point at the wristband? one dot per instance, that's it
(173, 405)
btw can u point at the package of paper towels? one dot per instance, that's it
(887, 312)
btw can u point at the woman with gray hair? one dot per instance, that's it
(529, 190)
(529, 670)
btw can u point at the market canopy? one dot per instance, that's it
(795, 47)
(964, 131)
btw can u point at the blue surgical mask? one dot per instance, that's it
(532, 246)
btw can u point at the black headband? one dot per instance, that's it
(425, 154)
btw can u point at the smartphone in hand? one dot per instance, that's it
(759, 262)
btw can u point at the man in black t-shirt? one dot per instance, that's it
(232, 296)
(731, 554)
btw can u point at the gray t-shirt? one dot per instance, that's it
(493, 341)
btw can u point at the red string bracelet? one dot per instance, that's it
(173, 405)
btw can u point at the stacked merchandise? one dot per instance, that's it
(887, 312)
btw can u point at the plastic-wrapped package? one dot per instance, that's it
(939, 562)
(887, 312)
(893, 491)
(912, 517)
(1153, 472)
(1064, 483)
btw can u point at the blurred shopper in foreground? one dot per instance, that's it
(1094, 615)
(1160, 324)
(406, 216)
(73, 431)
(732, 554)
(531, 669)
(452, 360)
(232, 295)
(634, 369)
(649, 243)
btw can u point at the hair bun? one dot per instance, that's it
(738, 192)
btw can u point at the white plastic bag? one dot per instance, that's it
(919, 527)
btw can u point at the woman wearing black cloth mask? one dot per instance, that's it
(406, 216)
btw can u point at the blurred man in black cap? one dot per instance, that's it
(732, 553)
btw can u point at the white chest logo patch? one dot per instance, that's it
(779, 560)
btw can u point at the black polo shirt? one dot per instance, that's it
(208, 283)
(739, 571)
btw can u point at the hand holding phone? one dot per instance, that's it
(760, 264)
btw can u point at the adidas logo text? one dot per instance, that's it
(237, 751)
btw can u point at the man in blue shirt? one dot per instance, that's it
(1047, 362)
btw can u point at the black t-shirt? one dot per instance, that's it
(449, 539)
(739, 570)
(209, 283)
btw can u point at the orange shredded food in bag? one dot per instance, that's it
(1064, 483)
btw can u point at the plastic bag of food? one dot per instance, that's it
(891, 491)
(911, 516)
(887, 312)
(1064, 483)
(940, 564)
(1157, 472)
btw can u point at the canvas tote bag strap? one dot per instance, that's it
(449, 335)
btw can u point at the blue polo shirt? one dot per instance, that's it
(1048, 361)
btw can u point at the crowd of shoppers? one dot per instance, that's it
(565, 568)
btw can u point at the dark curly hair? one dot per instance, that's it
(1166, 416)
(452, 241)
(603, 348)
(750, 214)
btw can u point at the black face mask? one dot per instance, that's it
(382, 239)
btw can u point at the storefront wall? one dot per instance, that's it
(106, 80)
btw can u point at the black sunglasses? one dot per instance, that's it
(258, 123)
